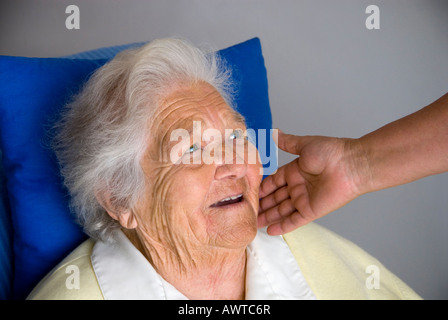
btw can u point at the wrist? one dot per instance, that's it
(358, 166)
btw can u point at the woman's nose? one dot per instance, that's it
(232, 164)
(230, 171)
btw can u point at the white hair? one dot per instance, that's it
(103, 132)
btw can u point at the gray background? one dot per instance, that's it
(328, 75)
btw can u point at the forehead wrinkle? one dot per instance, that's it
(186, 104)
(198, 95)
(200, 104)
(225, 120)
(230, 119)
(164, 124)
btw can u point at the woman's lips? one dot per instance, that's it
(228, 201)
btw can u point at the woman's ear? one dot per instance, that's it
(124, 216)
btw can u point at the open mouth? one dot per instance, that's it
(228, 201)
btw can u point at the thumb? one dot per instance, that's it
(291, 143)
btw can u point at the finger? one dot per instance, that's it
(272, 182)
(274, 199)
(292, 143)
(276, 213)
(297, 218)
(301, 201)
(288, 224)
(300, 217)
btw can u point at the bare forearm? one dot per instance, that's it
(408, 149)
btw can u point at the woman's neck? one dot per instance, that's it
(198, 273)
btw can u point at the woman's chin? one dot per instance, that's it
(235, 228)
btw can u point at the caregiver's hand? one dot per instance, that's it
(322, 179)
(331, 172)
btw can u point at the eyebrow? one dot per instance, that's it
(185, 124)
(238, 117)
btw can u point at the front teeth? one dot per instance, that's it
(231, 198)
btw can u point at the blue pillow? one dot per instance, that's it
(32, 93)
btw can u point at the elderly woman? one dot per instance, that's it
(165, 222)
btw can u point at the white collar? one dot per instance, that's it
(124, 273)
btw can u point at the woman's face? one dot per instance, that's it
(201, 191)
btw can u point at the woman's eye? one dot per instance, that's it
(236, 134)
(193, 148)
